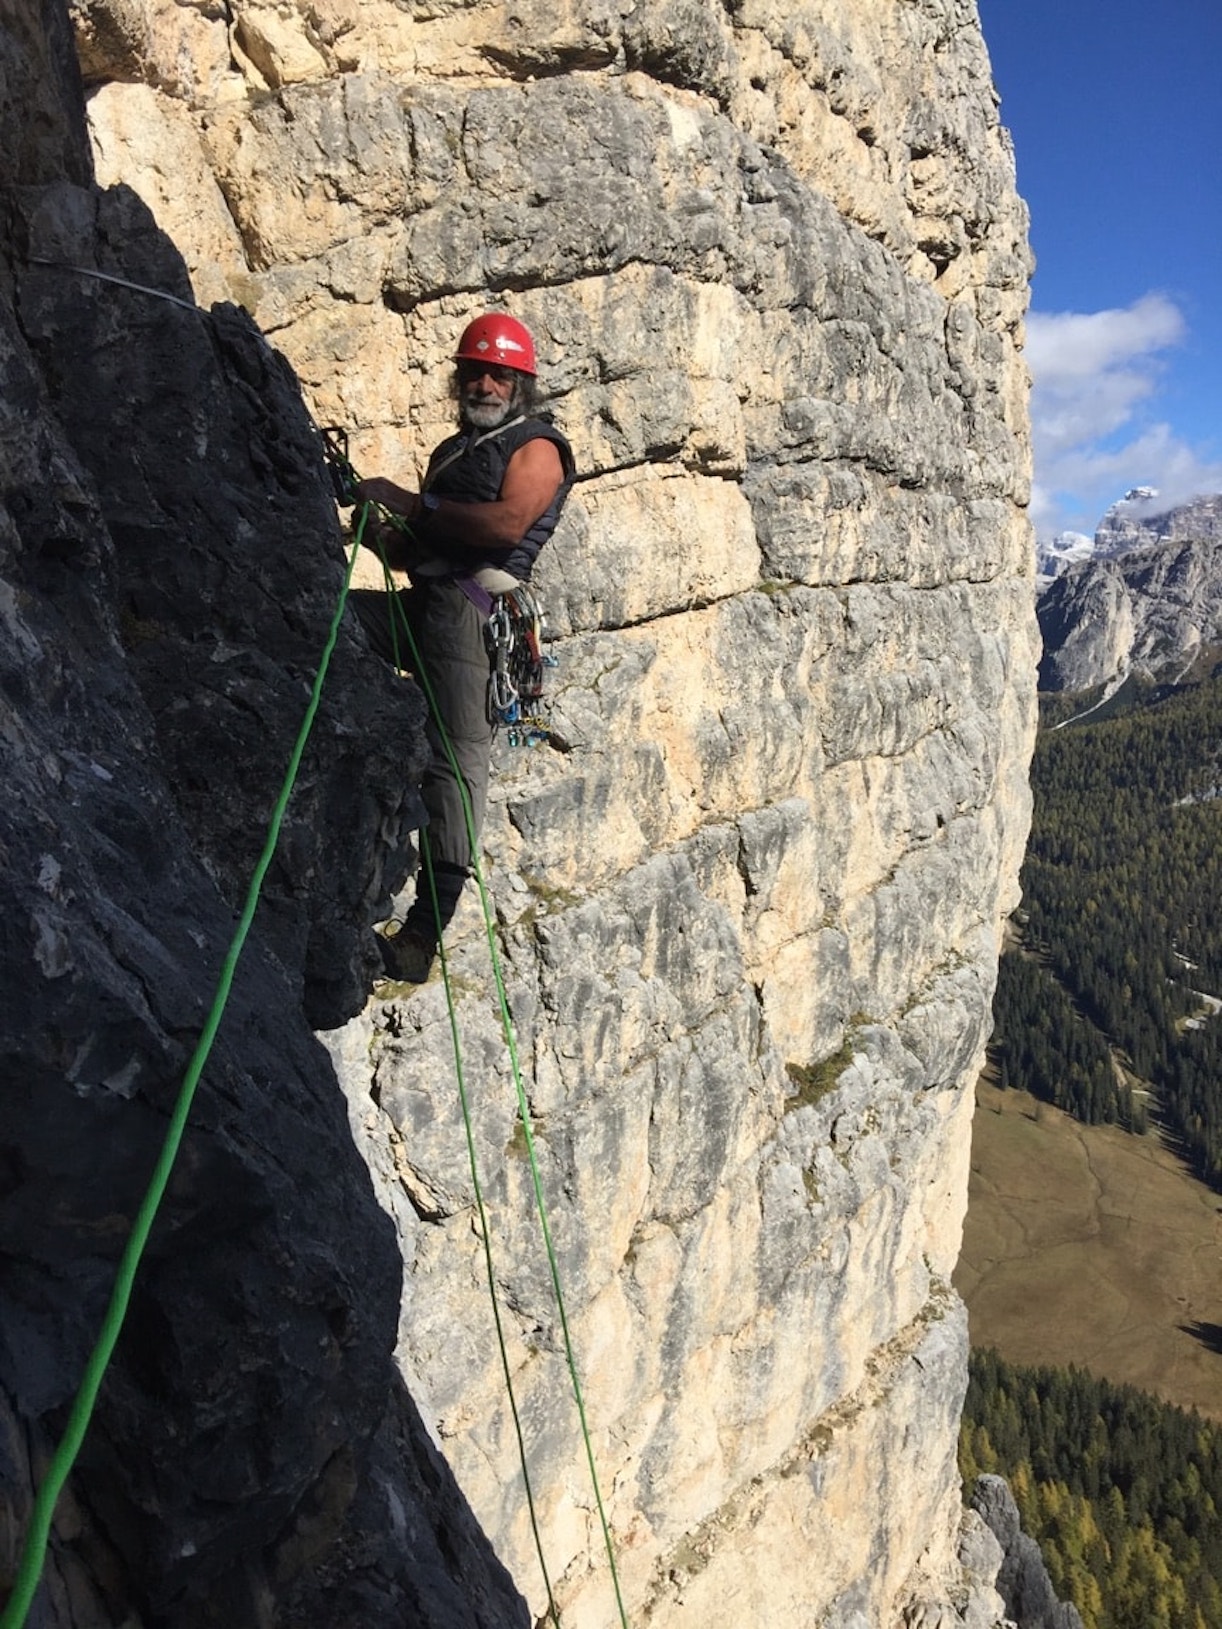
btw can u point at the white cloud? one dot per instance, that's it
(1092, 373)
(1071, 345)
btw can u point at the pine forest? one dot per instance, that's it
(1120, 1491)
(1106, 1005)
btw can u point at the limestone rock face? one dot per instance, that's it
(1150, 605)
(776, 270)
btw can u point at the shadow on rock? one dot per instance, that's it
(170, 562)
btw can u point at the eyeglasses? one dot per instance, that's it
(469, 372)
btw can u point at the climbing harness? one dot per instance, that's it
(513, 630)
(522, 667)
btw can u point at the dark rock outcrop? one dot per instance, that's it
(1023, 1580)
(169, 565)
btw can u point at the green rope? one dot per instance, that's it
(545, 1228)
(396, 607)
(422, 679)
(486, 1237)
(33, 1555)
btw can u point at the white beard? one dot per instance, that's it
(487, 415)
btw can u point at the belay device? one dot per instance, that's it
(514, 635)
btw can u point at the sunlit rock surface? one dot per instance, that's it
(776, 269)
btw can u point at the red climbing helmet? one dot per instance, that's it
(498, 338)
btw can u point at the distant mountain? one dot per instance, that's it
(1146, 598)
(1055, 556)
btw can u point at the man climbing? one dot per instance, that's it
(489, 501)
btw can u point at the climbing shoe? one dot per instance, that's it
(408, 957)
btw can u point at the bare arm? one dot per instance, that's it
(532, 479)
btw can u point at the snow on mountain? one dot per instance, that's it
(1127, 523)
(1145, 597)
(1053, 555)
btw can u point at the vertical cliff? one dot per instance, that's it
(777, 270)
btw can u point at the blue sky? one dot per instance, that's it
(1115, 108)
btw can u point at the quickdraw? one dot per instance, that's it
(335, 451)
(514, 635)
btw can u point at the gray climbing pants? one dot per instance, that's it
(449, 635)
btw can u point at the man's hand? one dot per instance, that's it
(385, 540)
(395, 498)
(532, 479)
(392, 543)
